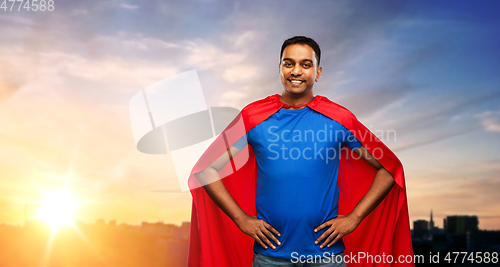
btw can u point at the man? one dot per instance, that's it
(297, 145)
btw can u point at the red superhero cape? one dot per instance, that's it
(215, 239)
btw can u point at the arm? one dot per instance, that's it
(213, 185)
(345, 224)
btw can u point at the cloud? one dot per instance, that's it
(241, 72)
(127, 6)
(9, 86)
(490, 120)
(245, 38)
(420, 122)
(428, 139)
(205, 55)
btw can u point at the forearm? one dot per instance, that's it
(381, 185)
(215, 188)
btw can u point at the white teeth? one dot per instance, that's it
(296, 82)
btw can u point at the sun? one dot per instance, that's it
(57, 209)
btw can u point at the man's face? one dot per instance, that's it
(299, 69)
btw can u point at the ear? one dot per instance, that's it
(318, 73)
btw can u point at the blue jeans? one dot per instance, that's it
(336, 260)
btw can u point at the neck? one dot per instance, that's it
(299, 99)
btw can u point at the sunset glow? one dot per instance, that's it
(57, 209)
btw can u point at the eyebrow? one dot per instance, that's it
(302, 60)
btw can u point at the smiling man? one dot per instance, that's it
(297, 140)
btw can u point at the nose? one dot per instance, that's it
(297, 70)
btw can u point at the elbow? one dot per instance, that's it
(200, 176)
(389, 176)
(206, 176)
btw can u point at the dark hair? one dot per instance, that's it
(302, 40)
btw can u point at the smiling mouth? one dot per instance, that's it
(296, 82)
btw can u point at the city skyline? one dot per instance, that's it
(97, 244)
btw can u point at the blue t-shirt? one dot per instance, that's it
(297, 154)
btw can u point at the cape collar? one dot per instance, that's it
(276, 100)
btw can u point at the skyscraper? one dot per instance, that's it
(431, 223)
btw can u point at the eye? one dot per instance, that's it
(307, 65)
(286, 64)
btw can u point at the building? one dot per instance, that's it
(183, 231)
(461, 224)
(420, 228)
(431, 223)
(483, 241)
(159, 229)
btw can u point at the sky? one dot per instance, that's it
(426, 70)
